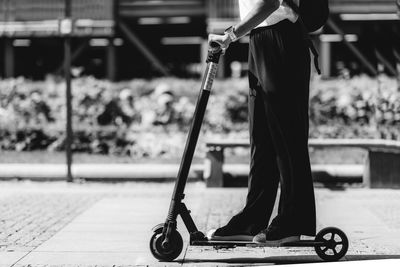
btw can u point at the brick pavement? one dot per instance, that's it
(370, 218)
(109, 224)
(29, 219)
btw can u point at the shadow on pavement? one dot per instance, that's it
(371, 257)
(288, 259)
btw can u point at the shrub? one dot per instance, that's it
(150, 118)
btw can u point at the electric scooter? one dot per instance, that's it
(166, 244)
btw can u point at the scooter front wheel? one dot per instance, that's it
(170, 252)
(335, 244)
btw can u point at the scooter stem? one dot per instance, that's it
(208, 78)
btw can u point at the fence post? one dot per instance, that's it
(67, 73)
(398, 76)
(9, 60)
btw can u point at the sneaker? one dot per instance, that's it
(223, 234)
(274, 236)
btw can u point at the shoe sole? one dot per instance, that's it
(278, 243)
(247, 238)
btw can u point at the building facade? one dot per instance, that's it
(123, 39)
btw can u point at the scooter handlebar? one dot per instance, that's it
(215, 45)
(214, 52)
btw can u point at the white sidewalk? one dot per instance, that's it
(116, 230)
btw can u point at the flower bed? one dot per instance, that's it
(150, 118)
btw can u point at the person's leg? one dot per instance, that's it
(287, 124)
(264, 173)
(284, 73)
(263, 176)
(287, 111)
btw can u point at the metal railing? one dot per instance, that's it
(228, 9)
(39, 10)
(223, 9)
(161, 8)
(23, 18)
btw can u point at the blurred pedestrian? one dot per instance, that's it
(165, 99)
(41, 107)
(113, 113)
(128, 105)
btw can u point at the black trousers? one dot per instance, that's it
(279, 76)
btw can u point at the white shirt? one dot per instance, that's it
(283, 12)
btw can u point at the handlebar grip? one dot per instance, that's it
(215, 45)
(214, 52)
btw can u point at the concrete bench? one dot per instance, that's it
(381, 168)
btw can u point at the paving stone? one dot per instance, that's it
(110, 224)
(29, 219)
(8, 258)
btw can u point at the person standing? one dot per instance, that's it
(279, 77)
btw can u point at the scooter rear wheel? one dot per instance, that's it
(169, 253)
(335, 245)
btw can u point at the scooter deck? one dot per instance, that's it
(232, 244)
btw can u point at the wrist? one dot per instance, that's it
(227, 39)
(231, 34)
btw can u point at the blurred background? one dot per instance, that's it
(125, 39)
(136, 68)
